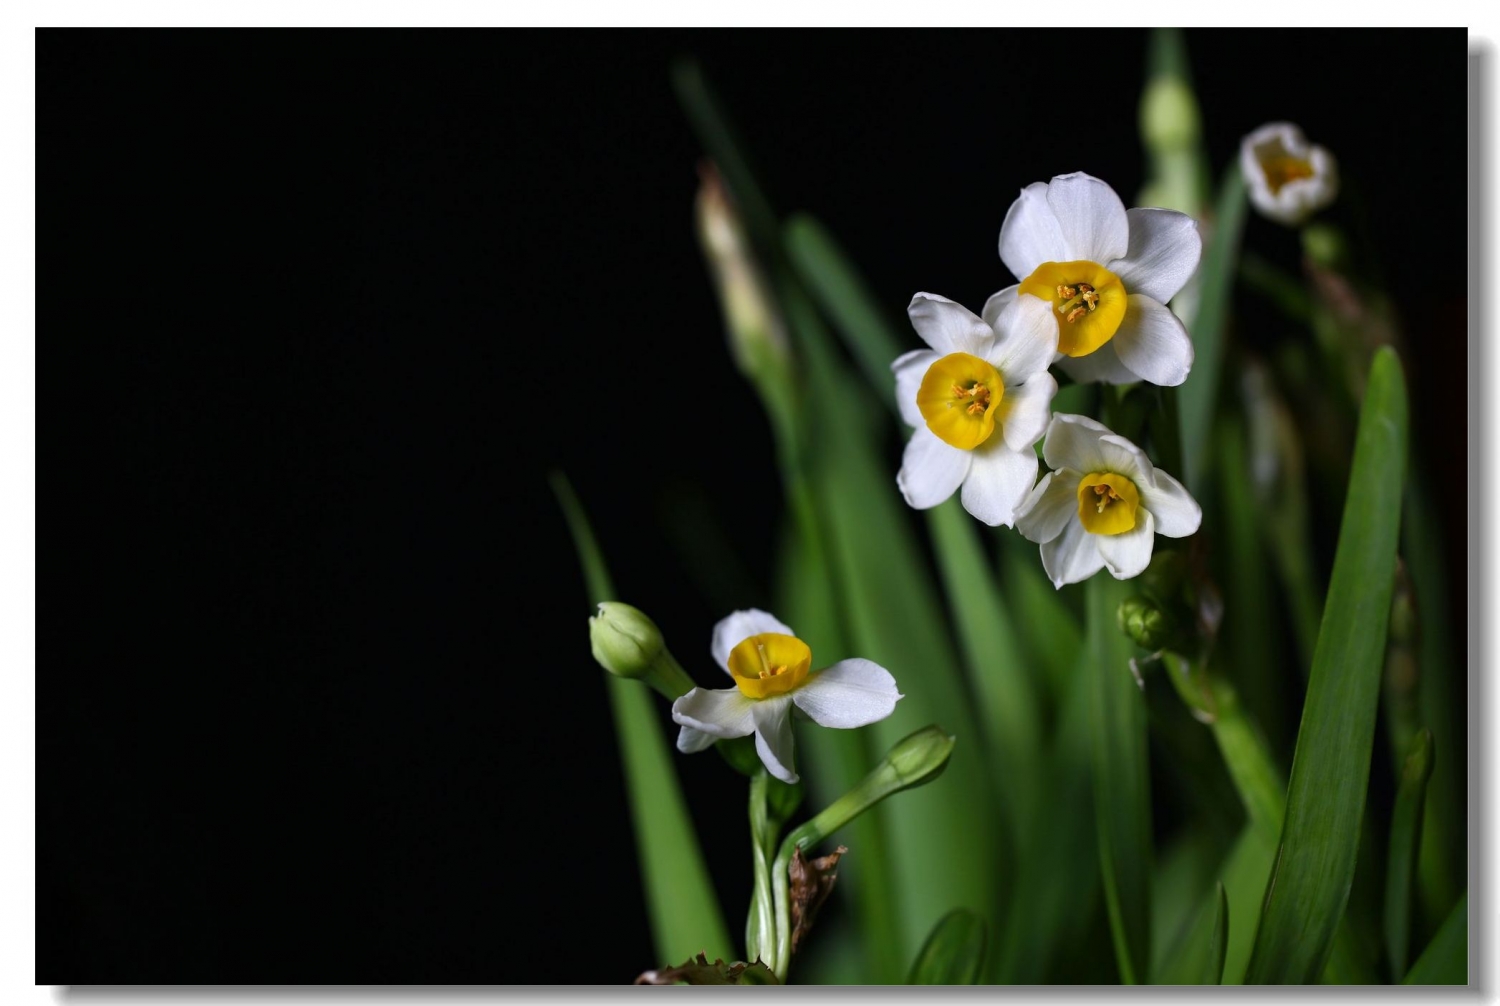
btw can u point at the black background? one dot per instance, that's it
(318, 311)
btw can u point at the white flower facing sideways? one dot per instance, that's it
(1103, 505)
(979, 400)
(1288, 178)
(1108, 273)
(770, 667)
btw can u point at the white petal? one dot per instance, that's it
(909, 369)
(1091, 217)
(851, 693)
(1086, 445)
(721, 712)
(1165, 247)
(740, 626)
(1031, 234)
(998, 302)
(1072, 556)
(1073, 442)
(1027, 410)
(691, 741)
(1049, 506)
(1025, 339)
(1153, 343)
(773, 737)
(1127, 555)
(1103, 364)
(948, 327)
(931, 470)
(1176, 513)
(998, 482)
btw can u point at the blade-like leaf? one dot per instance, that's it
(1216, 283)
(1049, 629)
(1326, 796)
(1200, 958)
(1446, 959)
(841, 293)
(954, 953)
(1401, 860)
(1122, 784)
(684, 912)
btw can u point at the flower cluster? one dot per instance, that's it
(1094, 280)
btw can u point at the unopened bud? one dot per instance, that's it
(755, 328)
(919, 758)
(1169, 115)
(625, 642)
(1147, 625)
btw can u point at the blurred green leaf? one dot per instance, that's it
(1245, 871)
(953, 953)
(843, 296)
(1325, 799)
(1446, 959)
(1216, 287)
(1007, 708)
(1401, 860)
(1441, 697)
(1055, 892)
(1200, 958)
(1049, 629)
(680, 900)
(1122, 784)
(1249, 761)
(944, 837)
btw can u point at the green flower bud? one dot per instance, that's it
(919, 758)
(625, 642)
(1169, 114)
(1149, 626)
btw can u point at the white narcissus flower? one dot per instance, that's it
(770, 666)
(1288, 178)
(979, 400)
(1103, 505)
(1108, 272)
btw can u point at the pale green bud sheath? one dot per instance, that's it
(757, 335)
(627, 644)
(915, 760)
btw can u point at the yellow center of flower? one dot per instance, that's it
(958, 398)
(769, 664)
(1284, 168)
(1089, 301)
(1107, 503)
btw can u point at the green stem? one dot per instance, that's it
(760, 927)
(1261, 786)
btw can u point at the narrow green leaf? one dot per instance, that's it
(1245, 871)
(680, 900)
(1122, 784)
(1049, 629)
(1007, 705)
(1401, 860)
(1256, 777)
(1441, 694)
(945, 836)
(1216, 284)
(841, 293)
(1446, 959)
(1055, 893)
(1199, 959)
(953, 953)
(1325, 799)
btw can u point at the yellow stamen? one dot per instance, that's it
(958, 398)
(1107, 503)
(1089, 299)
(769, 664)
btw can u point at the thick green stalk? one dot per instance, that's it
(680, 900)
